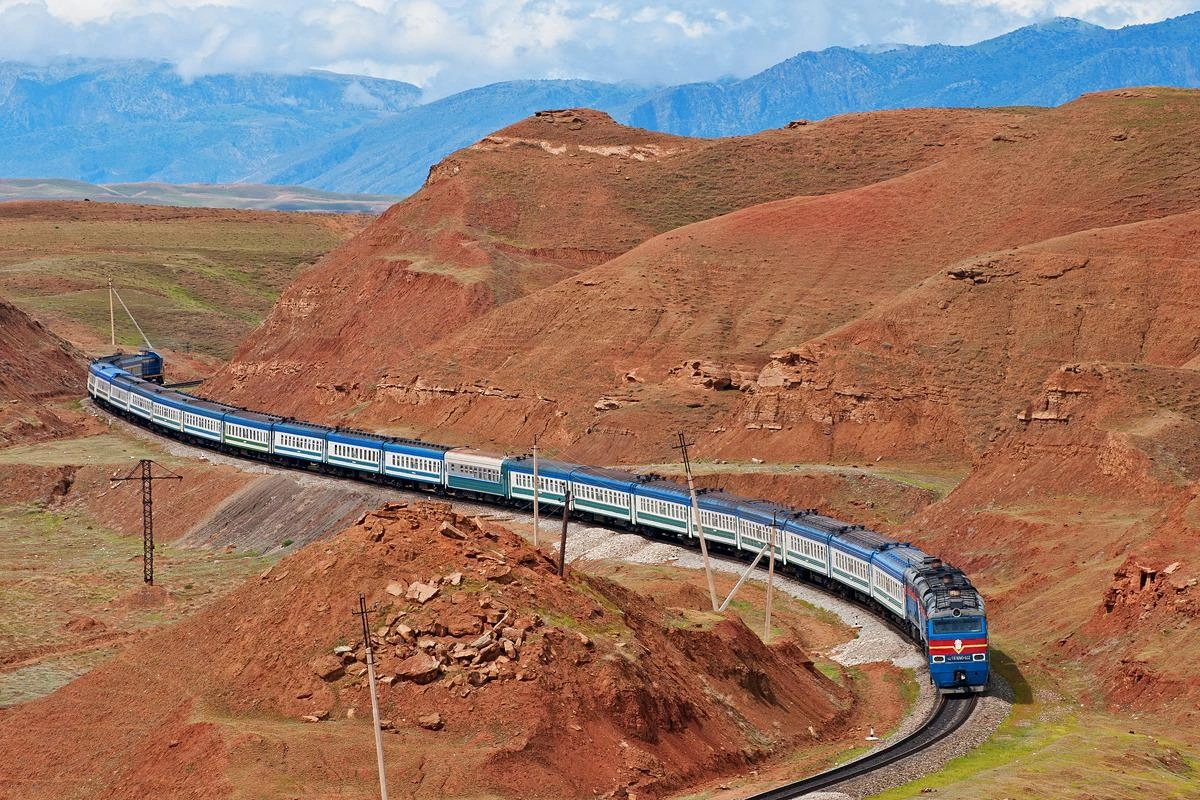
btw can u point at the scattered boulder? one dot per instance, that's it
(396, 588)
(463, 625)
(431, 722)
(329, 668)
(419, 668)
(84, 625)
(421, 592)
(499, 573)
(451, 532)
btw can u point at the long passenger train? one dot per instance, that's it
(932, 600)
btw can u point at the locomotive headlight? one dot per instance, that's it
(939, 659)
(978, 657)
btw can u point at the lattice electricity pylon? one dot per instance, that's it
(142, 472)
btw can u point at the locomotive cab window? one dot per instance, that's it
(960, 625)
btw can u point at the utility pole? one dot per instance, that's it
(770, 582)
(535, 494)
(143, 472)
(562, 542)
(112, 317)
(745, 575)
(366, 628)
(697, 527)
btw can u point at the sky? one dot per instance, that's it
(451, 45)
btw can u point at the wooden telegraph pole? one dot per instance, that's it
(366, 628)
(143, 472)
(770, 582)
(112, 317)
(562, 542)
(696, 526)
(535, 493)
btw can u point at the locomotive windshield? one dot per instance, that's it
(958, 625)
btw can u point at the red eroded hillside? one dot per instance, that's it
(949, 366)
(532, 205)
(1082, 527)
(38, 368)
(495, 676)
(603, 365)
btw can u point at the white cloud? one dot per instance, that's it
(450, 45)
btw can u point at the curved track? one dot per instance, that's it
(949, 714)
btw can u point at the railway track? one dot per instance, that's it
(948, 715)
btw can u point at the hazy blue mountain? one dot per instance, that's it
(1047, 64)
(106, 121)
(207, 195)
(135, 121)
(393, 155)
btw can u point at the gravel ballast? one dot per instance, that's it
(875, 642)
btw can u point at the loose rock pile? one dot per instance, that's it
(464, 628)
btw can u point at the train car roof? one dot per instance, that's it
(812, 522)
(302, 428)
(859, 541)
(469, 455)
(899, 558)
(548, 467)
(361, 438)
(719, 500)
(171, 398)
(607, 477)
(662, 489)
(765, 512)
(208, 405)
(401, 442)
(253, 417)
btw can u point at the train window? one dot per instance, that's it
(959, 625)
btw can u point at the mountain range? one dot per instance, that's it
(139, 121)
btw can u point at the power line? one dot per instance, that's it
(143, 472)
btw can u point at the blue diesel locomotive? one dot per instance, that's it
(933, 601)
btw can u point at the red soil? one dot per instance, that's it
(587, 362)
(530, 206)
(946, 367)
(39, 369)
(1082, 525)
(657, 698)
(924, 316)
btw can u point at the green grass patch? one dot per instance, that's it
(198, 284)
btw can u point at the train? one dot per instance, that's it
(932, 601)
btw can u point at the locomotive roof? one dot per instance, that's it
(946, 588)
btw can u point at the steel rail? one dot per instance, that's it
(947, 717)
